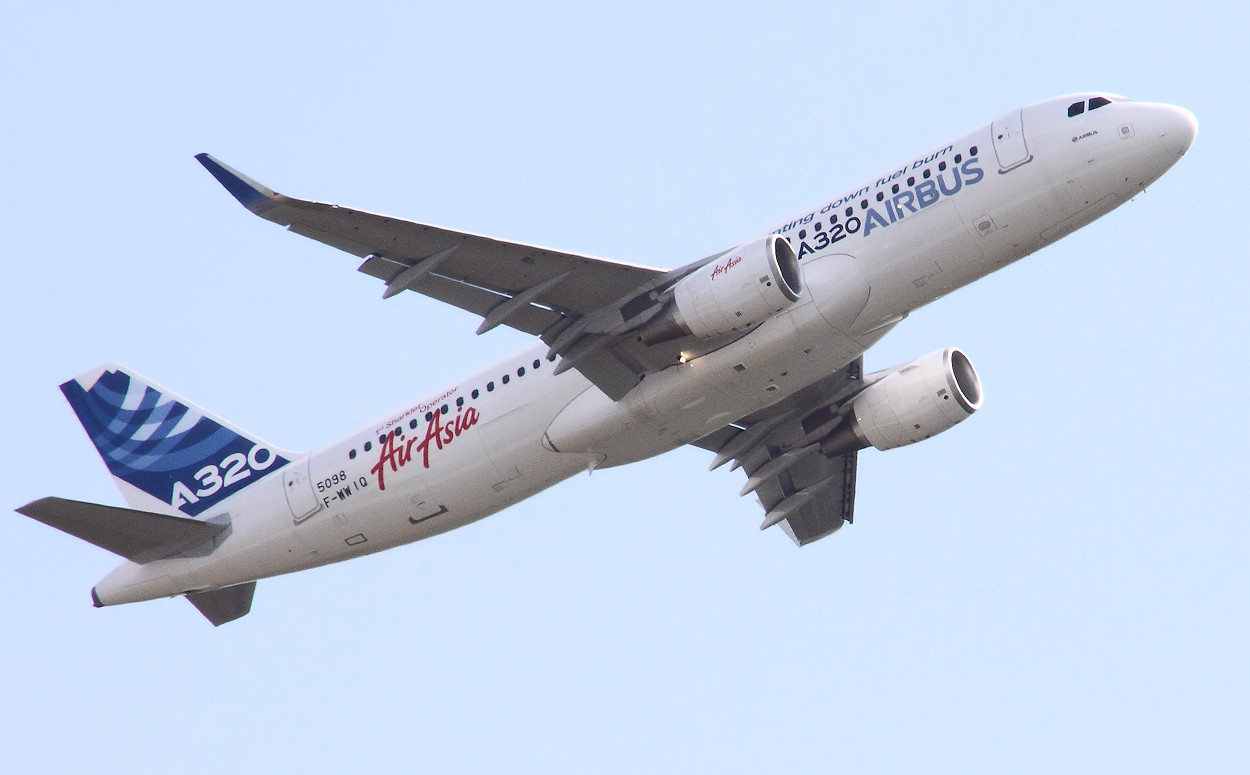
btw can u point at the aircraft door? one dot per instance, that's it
(1010, 145)
(298, 485)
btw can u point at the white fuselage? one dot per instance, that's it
(869, 256)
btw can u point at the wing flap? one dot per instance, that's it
(832, 507)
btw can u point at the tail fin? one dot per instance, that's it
(164, 453)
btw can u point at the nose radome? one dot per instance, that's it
(1177, 128)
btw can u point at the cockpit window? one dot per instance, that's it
(1077, 108)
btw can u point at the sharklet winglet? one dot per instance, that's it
(252, 195)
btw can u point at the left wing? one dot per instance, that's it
(580, 306)
(808, 492)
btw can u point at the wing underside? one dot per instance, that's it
(808, 493)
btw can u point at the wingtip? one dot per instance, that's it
(250, 194)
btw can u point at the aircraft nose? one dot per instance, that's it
(1177, 128)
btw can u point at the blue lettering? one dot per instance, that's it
(971, 173)
(926, 193)
(923, 194)
(959, 183)
(872, 219)
(904, 199)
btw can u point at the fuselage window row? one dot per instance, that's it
(445, 409)
(926, 174)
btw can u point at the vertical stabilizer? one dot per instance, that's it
(165, 453)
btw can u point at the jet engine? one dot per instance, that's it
(910, 403)
(741, 288)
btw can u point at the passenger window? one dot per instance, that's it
(1098, 102)
(1076, 109)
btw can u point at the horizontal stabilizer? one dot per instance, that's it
(139, 536)
(224, 605)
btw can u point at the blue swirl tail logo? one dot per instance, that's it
(168, 449)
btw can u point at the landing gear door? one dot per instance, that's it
(1010, 146)
(299, 490)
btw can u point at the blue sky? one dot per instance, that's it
(1058, 584)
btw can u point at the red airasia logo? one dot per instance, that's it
(397, 453)
(725, 267)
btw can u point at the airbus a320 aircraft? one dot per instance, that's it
(754, 353)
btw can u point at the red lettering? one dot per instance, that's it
(725, 267)
(436, 434)
(433, 433)
(387, 454)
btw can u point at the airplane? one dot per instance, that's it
(754, 353)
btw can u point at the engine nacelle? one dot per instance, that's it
(742, 288)
(911, 403)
